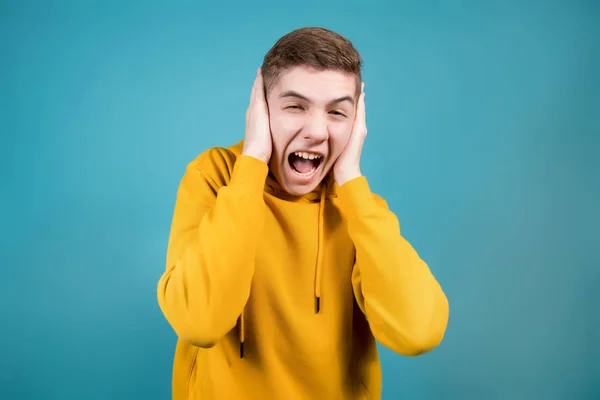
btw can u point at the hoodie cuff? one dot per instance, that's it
(356, 198)
(249, 174)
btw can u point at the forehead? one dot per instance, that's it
(316, 85)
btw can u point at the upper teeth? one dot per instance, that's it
(308, 156)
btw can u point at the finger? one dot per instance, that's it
(360, 118)
(254, 86)
(251, 98)
(260, 86)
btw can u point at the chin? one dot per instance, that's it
(300, 190)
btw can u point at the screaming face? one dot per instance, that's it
(311, 115)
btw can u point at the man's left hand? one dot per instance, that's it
(347, 166)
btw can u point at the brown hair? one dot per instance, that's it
(315, 47)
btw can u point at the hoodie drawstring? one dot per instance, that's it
(318, 267)
(242, 332)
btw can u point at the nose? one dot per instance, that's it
(316, 129)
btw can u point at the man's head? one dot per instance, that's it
(312, 79)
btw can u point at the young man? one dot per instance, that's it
(283, 268)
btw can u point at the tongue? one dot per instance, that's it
(302, 165)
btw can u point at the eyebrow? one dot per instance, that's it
(291, 93)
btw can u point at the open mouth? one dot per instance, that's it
(303, 163)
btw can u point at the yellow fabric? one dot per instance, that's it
(307, 284)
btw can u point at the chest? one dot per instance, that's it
(287, 263)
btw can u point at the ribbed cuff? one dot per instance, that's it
(356, 198)
(250, 173)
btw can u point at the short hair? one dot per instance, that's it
(319, 48)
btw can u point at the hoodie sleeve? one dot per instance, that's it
(211, 251)
(403, 302)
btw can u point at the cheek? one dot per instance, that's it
(338, 137)
(283, 128)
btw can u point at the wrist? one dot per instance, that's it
(342, 177)
(256, 154)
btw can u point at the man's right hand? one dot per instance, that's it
(257, 140)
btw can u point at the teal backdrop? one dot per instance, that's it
(484, 138)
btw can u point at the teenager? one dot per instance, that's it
(283, 268)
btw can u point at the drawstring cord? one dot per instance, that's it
(319, 267)
(242, 333)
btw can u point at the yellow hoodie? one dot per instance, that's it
(281, 297)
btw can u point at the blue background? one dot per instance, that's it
(484, 133)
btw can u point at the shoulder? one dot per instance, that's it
(380, 201)
(215, 164)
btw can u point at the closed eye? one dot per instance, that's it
(338, 113)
